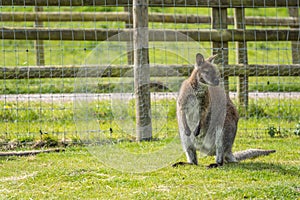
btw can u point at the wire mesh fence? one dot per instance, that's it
(69, 60)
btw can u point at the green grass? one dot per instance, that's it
(76, 174)
(25, 119)
(79, 173)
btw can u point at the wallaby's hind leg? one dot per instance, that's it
(229, 136)
(220, 151)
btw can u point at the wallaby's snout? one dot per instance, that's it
(216, 82)
(212, 81)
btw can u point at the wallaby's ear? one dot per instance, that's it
(211, 58)
(199, 59)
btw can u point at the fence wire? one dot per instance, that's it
(68, 62)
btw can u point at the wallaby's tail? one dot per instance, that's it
(251, 153)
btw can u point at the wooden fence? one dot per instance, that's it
(219, 35)
(156, 3)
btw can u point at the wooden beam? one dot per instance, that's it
(215, 35)
(29, 153)
(39, 44)
(129, 44)
(156, 3)
(262, 70)
(294, 12)
(241, 58)
(141, 70)
(220, 47)
(124, 16)
(127, 71)
(63, 16)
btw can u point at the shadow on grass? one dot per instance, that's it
(260, 166)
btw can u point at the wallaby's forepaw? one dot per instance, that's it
(197, 131)
(177, 164)
(181, 163)
(214, 165)
(188, 132)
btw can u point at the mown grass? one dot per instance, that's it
(76, 174)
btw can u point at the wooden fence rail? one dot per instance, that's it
(127, 71)
(124, 16)
(228, 35)
(156, 3)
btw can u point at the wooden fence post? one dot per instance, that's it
(219, 21)
(129, 25)
(141, 70)
(295, 44)
(241, 58)
(39, 44)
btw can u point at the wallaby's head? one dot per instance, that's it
(207, 72)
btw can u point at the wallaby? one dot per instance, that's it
(207, 118)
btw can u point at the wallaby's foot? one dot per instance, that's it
(214, 165)
(229, 158)
(182, 163)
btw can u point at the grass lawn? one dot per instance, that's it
(76, 174)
